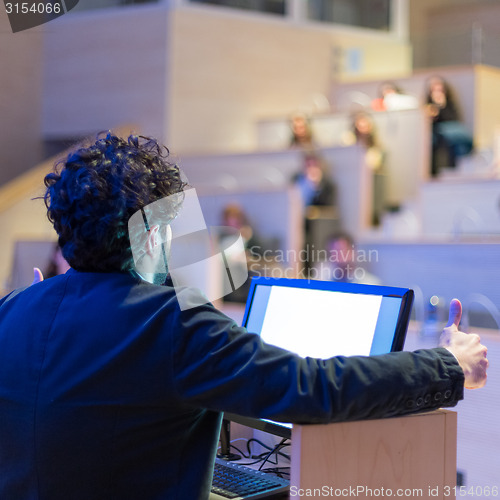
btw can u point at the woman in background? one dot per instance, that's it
(363, 133)
(450, 138)
(302, 135)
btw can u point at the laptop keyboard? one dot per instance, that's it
(235, 481)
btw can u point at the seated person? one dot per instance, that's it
(234, 218)
(318, 194)
(302, 135)
(392, 98)
(314, 184)
(363, 132)
(343, 262)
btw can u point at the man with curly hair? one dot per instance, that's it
(109, 390)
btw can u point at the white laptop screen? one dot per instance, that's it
(325, 319)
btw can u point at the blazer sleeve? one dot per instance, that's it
(220, 366)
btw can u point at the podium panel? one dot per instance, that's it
(413, 456)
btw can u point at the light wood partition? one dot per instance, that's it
(413, 456)
(486, 107)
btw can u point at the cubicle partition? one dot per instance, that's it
(461, 207)
(275, 216)
(225, 174)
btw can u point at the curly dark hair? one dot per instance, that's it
(92, 193)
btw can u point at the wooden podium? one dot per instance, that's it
(413, 456)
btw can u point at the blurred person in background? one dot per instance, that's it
(363, 132)
(391, 98)
(450, 137)
(319, 198)
(314, 183)
(235, 218)
(301, 132)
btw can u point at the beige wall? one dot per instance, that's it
(20, 99)
(229, 70)
(378, 57)
(446, 20)
(106, 68)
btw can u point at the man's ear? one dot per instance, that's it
(153, 240)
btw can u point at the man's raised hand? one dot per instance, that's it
(466, 347)
(37, 276)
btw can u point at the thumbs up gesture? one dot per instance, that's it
(37, 276)
(466, 347)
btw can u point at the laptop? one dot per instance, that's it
(324, 319)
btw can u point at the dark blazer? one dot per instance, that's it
(109, 391)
